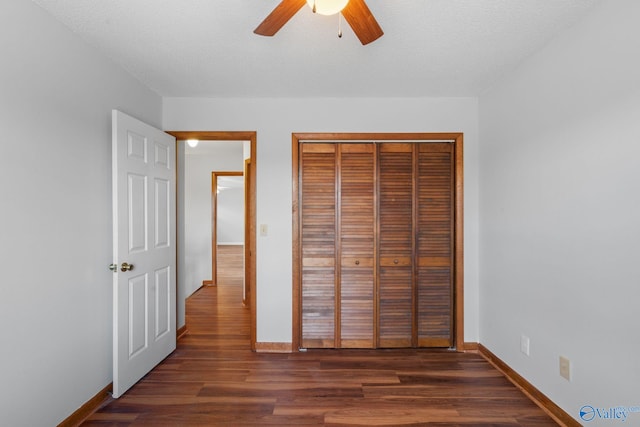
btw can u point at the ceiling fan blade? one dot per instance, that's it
(362, 22)
(280, 15)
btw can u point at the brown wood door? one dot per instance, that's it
(435, 244)
(318, 186)
(357, 245)
(396, 245)
(377, 244)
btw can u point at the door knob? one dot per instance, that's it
(126, 267)
(113, 267)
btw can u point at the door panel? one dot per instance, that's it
(162, 229)
(138, 287)
(395, 240)
(137, 213)
(144, 297)
(318, 228)
(163, 302)
(357, 245)
(435, 245)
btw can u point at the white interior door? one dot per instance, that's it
(144, 249)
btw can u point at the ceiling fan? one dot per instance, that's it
(355, 12)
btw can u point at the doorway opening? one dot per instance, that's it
(249, 241)
(229, 219)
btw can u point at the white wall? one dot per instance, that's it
(56, 96)
(275, 120)
(230, 210)
(194, 210)
(560, 213)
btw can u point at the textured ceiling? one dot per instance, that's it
(208, 48)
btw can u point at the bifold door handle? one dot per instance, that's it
(395, 261)
(126, 266)
(357, 262)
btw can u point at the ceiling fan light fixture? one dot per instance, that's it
(327, 7)
(356, 13)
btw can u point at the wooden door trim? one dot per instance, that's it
(214, 220)
(457, 138)
(459, 242)
(337, 318)
(250, 232)
(246, 300)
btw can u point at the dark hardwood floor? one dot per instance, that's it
(214, 379)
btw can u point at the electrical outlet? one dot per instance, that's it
(524, 344)
(565, 368)
(264, 230)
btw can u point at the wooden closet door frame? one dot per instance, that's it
(457, 138)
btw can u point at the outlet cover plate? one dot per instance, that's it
(524, 344)
(565, 368)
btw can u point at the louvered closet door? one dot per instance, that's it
(395, 242)
(357, 245)
(377, 236)
(435, 245)
(318, 248)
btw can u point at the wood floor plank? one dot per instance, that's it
(214, 379)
